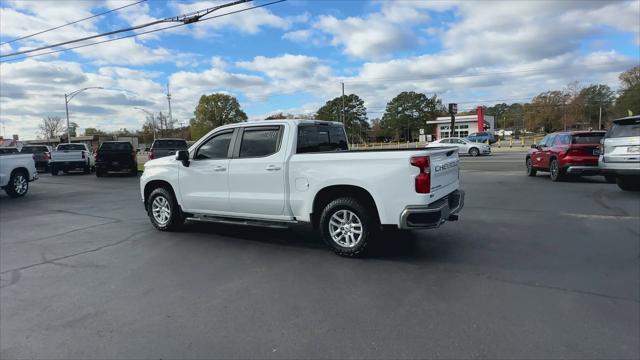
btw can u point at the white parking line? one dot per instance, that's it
(602, 217)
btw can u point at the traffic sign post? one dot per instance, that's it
(453, 110)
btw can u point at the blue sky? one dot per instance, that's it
(292, 56)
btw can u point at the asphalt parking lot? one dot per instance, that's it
(533, 269)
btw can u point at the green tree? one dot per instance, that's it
(73, 128)
(546, 112)
(406, 113)
(593, 98)
(355, 115)
(628, 100)
(215, 110)
(93, 131)
(499, 113)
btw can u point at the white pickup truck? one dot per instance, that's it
(16, 171)
(69, 157)
(280, 172)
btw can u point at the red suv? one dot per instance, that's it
(566, 153)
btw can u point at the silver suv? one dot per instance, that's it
(620, 157)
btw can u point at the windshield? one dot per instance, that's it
(71, 147)
(169, 144)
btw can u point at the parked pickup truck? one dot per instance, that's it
(41, 155)
(16, 171)
(166, 147)
(116, 156)
(301, 171)
(69, 157)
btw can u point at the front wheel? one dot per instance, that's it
(347, 226)
(531, 171)
(628, 183)
(163, 210)
(18, 184)
(474, 152)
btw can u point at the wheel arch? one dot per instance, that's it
(332, 192)
(21, 169)
(155, 184)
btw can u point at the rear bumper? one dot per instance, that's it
(65, 165)
(583, 170)
(433, 215)
(619, 168)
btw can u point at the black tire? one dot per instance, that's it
(611, 179)
(368, 226)
(18, 185)
(628, 183)
(54, 170)
(87, 169)
(175, 217)
(99, 172)
(531, 171)
(555, 172)
(133, 171)
(474, 151)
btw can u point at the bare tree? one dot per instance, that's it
(51, 127)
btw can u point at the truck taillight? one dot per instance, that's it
(152, 155)
(84, 155)
(48, 155)
(423, 179)
(133, 155)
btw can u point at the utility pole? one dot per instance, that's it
(600, 118)
(169, 101)
(343, 119)
(66, 106)
(453, 110)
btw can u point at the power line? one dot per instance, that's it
(185, 19)
(71, 23)
(142, 33)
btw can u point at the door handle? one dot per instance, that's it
(273, 168)
(219, 168)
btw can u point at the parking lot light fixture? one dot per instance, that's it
(67, 98)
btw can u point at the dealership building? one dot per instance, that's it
(465, 124)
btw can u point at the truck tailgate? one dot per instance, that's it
(444, 163)
(67, 155)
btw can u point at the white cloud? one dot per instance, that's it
(298, 35)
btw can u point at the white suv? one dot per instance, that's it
(620, 155)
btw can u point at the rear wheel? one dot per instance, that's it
(18, 184)
(556, 173)
(54, 170)
(628, 183)
(99, 172)
(133, 171)
(87, 169)
(531, 171)
(163, 210)
(474, 152)
(347, 227)
(611, 179)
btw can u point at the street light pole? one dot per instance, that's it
(67, 98)
(153, 120)
(66, 106)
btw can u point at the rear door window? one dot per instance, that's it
(563, 139)
(260, 141)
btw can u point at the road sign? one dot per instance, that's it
(453, 108)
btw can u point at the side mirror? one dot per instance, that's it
(183, 155)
